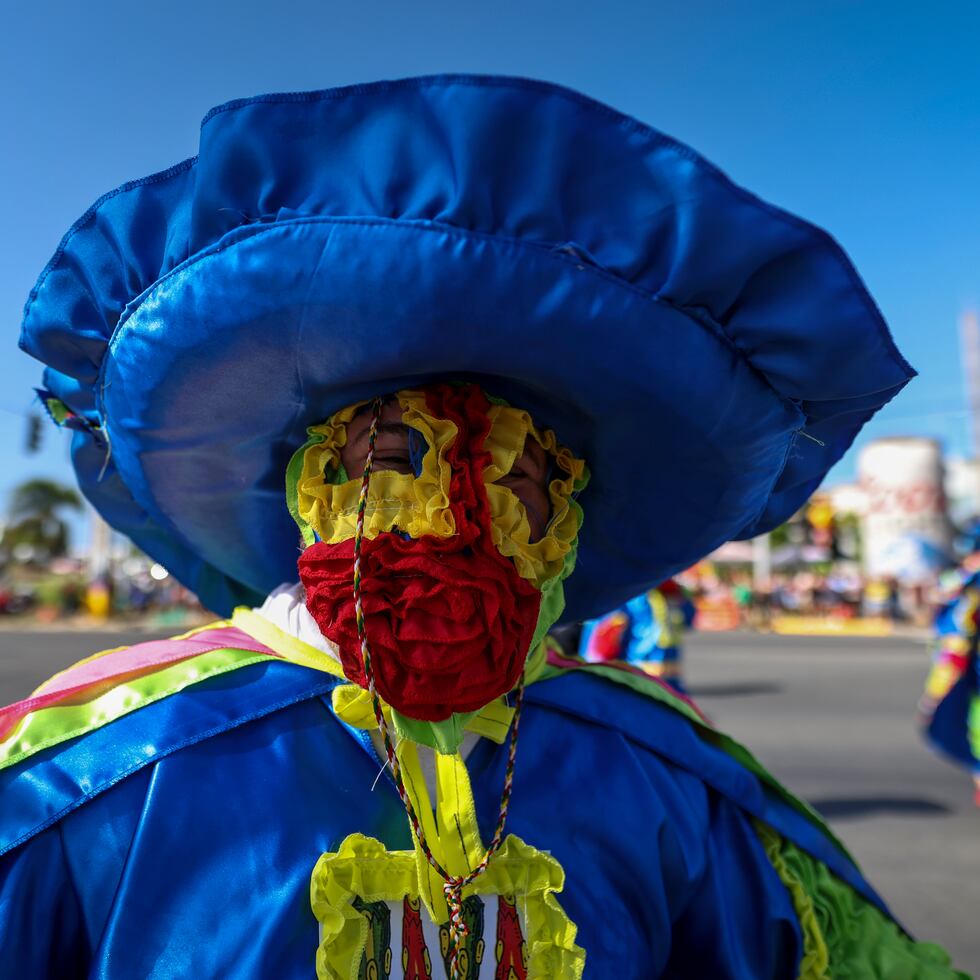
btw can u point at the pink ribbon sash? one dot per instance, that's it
(155, 653)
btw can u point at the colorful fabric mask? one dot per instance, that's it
(455, 592)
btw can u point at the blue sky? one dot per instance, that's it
(863, 117)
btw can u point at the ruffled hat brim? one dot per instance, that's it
(709, 355)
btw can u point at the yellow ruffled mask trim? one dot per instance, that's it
(419, 505)
(545, 559)
(323, 502)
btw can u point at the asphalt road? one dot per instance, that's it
(832, 718)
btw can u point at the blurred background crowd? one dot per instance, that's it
(60, 563)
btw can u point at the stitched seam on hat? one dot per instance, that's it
(86, 219)
(627, 122)
(770, 491)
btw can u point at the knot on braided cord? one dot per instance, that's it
(458, 930)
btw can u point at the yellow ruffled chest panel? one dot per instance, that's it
(383, 914)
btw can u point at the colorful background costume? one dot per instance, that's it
(950, 703)
(647, 631)
(175, 809)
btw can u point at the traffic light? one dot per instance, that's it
(34, 424)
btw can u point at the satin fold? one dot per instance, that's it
(251, 777)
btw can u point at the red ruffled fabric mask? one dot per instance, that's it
(449, 620)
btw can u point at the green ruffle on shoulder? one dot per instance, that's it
(973, 726)
(845, 937)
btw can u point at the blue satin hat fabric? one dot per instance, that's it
(709, 355)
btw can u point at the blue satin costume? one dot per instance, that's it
(227, 793)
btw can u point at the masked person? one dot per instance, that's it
(427, 307)
(647, 631)
(949, 709)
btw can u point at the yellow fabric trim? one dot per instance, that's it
(544, 559)
(450, 829)
(660, 609)
(415, 504)
(420, 505)
(965, 611)
(362, 868)
(456, 814)
(353, 706)
(289, 647)
(942, 676)
(954, 643)
(430, 884)
(492, 721)
(815, 963)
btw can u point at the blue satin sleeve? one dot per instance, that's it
(739, 920)
(42, 934)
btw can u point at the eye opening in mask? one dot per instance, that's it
(412, 495)
(400, 446)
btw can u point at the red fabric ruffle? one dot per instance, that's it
(449, 620)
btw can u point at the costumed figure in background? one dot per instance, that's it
(646, 631)
(385, 299)
(949, 709)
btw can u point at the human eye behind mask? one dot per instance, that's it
(470, 526)
(398, 447)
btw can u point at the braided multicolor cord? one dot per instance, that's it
(454, 885)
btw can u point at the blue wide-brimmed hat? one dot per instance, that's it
(710, 356)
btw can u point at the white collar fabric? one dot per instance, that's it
(285, 608)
